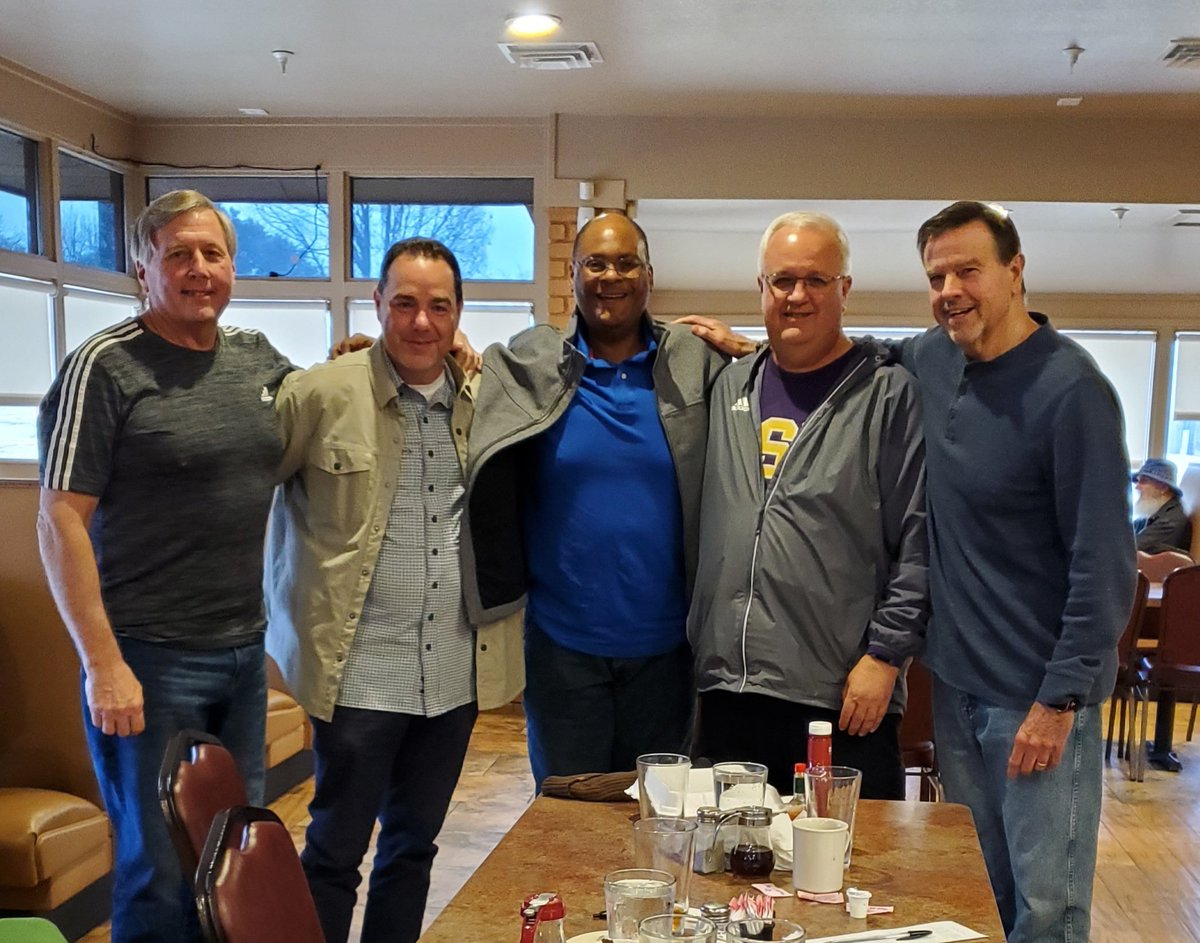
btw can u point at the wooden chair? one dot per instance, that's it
(1130, 687)
(1156, 566)
(916, 733)
(198, 778)
(250, 887)
(1176, 664)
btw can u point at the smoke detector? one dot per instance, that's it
(553, 56)
(1183, 54)
(1188, 218)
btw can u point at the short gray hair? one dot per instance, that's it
(804, 220)
(166, 208)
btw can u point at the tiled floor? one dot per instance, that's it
(1147, 881)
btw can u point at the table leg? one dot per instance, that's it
(1160, 753)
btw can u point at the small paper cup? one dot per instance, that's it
(857, 902)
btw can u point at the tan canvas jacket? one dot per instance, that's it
(342, 447)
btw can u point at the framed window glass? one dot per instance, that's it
(282, 223)
(486, 222)
(1183, 427)
(26, 364)
(18, 194)
(88, 312)
(1127, 359)
(298, 329)
(92, 204)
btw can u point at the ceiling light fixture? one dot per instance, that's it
(532, 25)
(1073, 101)
(282, 56)
(1073, 52)
(254, 112)
(1119, 212)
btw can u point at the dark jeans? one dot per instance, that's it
(591, 714)
(401, 769)
(223, 692)
(772, 731)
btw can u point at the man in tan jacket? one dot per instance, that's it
(365, 610)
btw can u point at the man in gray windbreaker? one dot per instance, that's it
(811, 589)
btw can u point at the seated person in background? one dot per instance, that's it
(1159, 519)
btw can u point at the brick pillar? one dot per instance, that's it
(562, 237)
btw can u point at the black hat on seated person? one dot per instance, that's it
(1161, 471)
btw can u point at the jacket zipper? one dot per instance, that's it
(762, 511)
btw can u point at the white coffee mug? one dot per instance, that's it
(818, 854)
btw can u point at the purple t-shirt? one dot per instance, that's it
(786, 399)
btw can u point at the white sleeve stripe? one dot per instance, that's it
(60, 454)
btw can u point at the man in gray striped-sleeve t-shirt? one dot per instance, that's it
(159, 447)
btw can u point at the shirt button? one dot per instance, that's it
(428, 646)
(425, 419)
(431, 487)
(458, 431)
(624, 376)
(483, 646)
(430, 453)
(434, 551)
(430, 617)
(435, 518)
(375, 529)
(366, 572)
(354, 615)
(434, 584)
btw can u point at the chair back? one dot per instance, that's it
(1179, 621)
(250, 887)
(1127, 651)
(198, 778)
(1156, 566)
(29, 930)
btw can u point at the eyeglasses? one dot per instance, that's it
(783, 284)
(627, 266)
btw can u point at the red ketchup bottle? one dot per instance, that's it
(820, 761)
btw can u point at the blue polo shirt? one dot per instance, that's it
(603, 523)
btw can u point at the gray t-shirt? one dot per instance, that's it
(181, 448)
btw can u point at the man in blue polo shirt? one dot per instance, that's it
(583, 497)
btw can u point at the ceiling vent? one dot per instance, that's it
(556, 56)
(1187, 218)
(1183, 54)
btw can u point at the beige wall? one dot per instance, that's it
(1061, 157)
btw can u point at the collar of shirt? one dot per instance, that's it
(443, 395)
(641, 357)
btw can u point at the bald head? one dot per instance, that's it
(617, 222)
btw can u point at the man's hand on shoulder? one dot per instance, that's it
(1040, 739)
(718, 335)
(866, 695)
(114, 699)
(348, 345)
(464, 354)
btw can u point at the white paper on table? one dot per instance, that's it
(700, 792)
(944, 931)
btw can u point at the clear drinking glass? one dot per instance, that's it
(833, 794)
(633, 894)
(737, 785)
(667, 845)
(662, 784)
(678, 928)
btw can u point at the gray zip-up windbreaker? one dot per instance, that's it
(525, 388)
(799, 573)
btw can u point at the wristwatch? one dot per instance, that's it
(1070, 704)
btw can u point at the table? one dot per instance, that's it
(921, 857)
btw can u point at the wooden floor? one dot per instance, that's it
(1147, 879)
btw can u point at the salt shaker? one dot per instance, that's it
(718, 913)
(709, 854)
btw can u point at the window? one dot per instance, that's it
(1183, 428)
(298, 329)
(89, 312)
(486, 222)
(26, 364)
(92, 201)
(282, 223)
(1127, 359)
(484, 322)
(18, 193)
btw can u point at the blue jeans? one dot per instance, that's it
(401, 769)
(591, 714)
(1038, 832)
(222, 692)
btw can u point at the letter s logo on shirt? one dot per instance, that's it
(777, 437)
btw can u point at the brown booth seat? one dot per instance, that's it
(52, 845)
